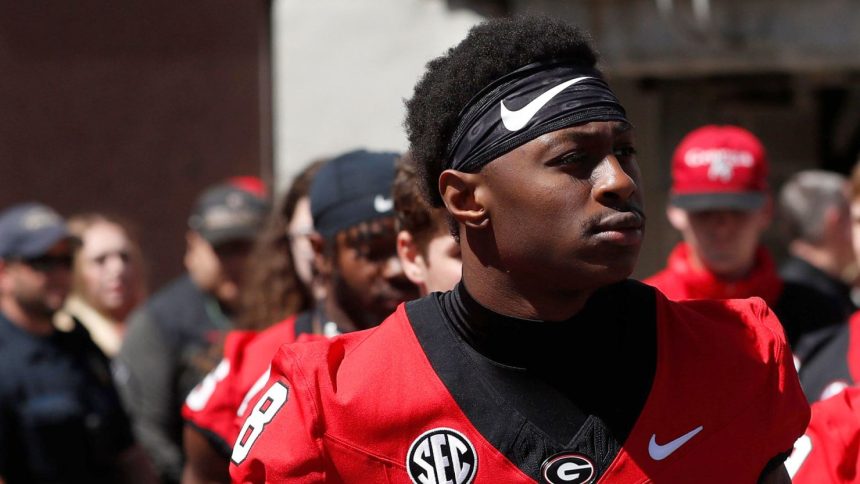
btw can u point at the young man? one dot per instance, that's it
(358, 267)
(60, 417)
(174, 339)
(721, 206)
(545, 363)
(430, 256)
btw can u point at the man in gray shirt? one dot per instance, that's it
(174, 339)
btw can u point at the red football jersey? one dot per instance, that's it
(372, 406)
(213, 406)
(829, 451)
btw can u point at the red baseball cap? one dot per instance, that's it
(719, 167)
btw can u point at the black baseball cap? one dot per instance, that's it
(228, 212)
(352, 188)
(29, 230)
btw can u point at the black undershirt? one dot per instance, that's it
(578, 384)
(599, 362)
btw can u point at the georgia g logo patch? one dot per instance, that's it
(567, 468)
(441, 455)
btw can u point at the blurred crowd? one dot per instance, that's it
(104, 379)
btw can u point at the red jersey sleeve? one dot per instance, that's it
(208, 407)
(829, 451)
(790, 408)
(281, 439)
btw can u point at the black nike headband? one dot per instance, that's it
(527, 103)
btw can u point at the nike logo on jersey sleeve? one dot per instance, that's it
(660, 452)
(516, 120)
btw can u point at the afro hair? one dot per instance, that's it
(491, 50)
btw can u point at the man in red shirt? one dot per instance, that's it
(216, 409)
(357, 262)
(545, 363)
(721, 206)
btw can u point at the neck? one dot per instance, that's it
(41, 325)
(336, 313)
(727, 276)
(818, 257)
(497, 291)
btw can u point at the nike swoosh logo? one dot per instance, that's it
(660, 452)
(382, 204)
(516, 120)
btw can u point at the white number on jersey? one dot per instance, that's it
(200, 395)
(802, 448)
(256, 388)
(265, 410)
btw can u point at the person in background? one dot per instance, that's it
(108, 279)
(721, 206)
(355, 241)
(216, 408)
(429, 253)
(279, 285)
(280, 276)
(829, 451)
(175, 338)
(814, 214)
(545, 363)
(60, 417)
(833, 363)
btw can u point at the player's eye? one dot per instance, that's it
(572, 158)
(627, 151)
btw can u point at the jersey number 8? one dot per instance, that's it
(265, 410)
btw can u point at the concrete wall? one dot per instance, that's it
(342, 69)
(673, 37)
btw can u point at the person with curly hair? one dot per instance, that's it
(430, 256)
(355, 268)
(545, 363)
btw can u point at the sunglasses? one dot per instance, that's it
(48, 263)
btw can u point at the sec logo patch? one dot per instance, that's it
(441, 455)
(568, 468)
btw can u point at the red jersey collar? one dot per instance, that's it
(763, 281)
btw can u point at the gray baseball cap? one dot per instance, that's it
(228, 212)
(29, 230)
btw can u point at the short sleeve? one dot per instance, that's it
(788, 410)
(210, 408)
(829, 451)
(280, 440)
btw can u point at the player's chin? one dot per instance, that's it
(614, 263)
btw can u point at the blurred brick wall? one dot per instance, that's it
(133, 108)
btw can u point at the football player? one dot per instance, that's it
(545, 363)
(358, 267)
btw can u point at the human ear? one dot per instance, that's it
(414, 265)
(461, 193)
(677, 217)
